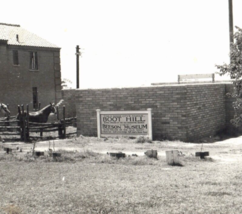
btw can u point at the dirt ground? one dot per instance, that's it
(220, 150)
(87, 180)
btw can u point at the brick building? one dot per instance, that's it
(29, 68)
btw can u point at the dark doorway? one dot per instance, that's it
(35, 98)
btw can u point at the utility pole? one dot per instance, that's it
(231, 25)
(231, 29)
(77, 65)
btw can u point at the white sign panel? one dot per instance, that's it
(124, 123)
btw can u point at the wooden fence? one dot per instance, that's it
(28, 131)
(9, 127)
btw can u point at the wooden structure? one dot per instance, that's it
(195, 77)
(10, 126)
(27, 130)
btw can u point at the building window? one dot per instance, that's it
(35, 98)
(15, 57)
(33, 61)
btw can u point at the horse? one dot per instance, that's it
(42, 115)
(4, 109)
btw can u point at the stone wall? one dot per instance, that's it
(184, 112)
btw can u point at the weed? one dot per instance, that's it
(139, 161)
(86, 154)
(142, 139)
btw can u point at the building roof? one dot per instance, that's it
(16, 35)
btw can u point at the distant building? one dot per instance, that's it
(29, 68)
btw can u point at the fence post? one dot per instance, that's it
(41, 133)
(19, 123)
(60, 123)
(39, 106)
(59, 131)
(8, 117)
(27, 122)
(57, 111)
(23, 123)
(64, 122)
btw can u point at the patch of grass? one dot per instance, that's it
(86, 154)
(178, 164)
(218, 194)
(139, 161)
(212, 183)
(66, 156)
(8, 157)
(62, 158)
(87, 182)
(142, 139)
(143, 161)
(11, 209)
(192, 158)
(101, 184)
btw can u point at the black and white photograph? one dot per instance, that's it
(121, 107)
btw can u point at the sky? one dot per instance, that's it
(129, 43)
